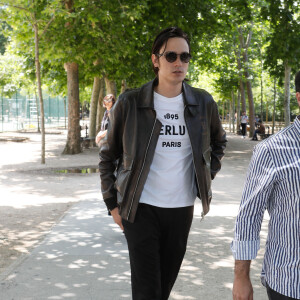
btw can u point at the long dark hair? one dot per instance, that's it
(297, 82)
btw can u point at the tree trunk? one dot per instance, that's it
(111, 87)
(250, 99)
(230, 115)
(274, 108)
(123, 86)
(245, 46)
(287, 79)
(65, 109)
(261, 94)
(238, 111)
(39, 87)
(241, 82)
(251, 108)
(73, 139)
(243, 97)
(227, 113)
(233, 111)
(100, 108)
(37, 109)
(93, 110)
(223, 113)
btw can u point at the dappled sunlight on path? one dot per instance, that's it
(207, 270)
(85, 255)
(81, 254)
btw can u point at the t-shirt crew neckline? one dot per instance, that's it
(167, 99)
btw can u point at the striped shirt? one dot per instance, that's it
(273, 183)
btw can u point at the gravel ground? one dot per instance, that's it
(34, 196)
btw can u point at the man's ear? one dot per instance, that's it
(154, 59)
(298, 97)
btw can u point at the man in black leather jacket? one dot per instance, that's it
(168, 140)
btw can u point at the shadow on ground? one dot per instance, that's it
(85, 256)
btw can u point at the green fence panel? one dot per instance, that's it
(22, 112)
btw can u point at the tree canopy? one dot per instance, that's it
(113, 38)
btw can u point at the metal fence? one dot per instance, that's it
(22, 112)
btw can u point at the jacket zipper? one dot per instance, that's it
(202, 214)
(141, 168)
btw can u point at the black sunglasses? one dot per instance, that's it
(171, 56)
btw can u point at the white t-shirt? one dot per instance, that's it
(244, 119)
(171, 179)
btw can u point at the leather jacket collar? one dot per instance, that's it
(146, 95)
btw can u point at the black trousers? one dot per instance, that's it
(244, 126)
(276, 296)
(157, 243)
(256, 131)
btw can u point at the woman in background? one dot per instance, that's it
(108, 102)
(244, 121)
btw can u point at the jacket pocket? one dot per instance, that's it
(206, 157)
(123, 175)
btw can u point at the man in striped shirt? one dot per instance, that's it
(273, 183)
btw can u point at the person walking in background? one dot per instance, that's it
(273, 183)
(244, 121)
(169, 141)
(108, 102)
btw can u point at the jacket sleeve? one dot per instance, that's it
(110, 151)
(218, 141)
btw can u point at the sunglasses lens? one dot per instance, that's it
(185, 57)
(171, 56)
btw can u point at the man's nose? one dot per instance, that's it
(178, 60)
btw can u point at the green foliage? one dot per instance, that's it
(13, 72)
(5, 30)
(217, 52)
(284, 40)
(114, 38)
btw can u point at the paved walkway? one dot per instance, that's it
(85, 255)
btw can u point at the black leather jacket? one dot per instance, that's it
(131, 139)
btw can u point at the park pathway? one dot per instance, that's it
(85, 255)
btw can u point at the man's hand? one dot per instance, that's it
(100, 136)
(117, 218)
(242, 287)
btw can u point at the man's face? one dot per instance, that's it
(174, 72)
(298, 98)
